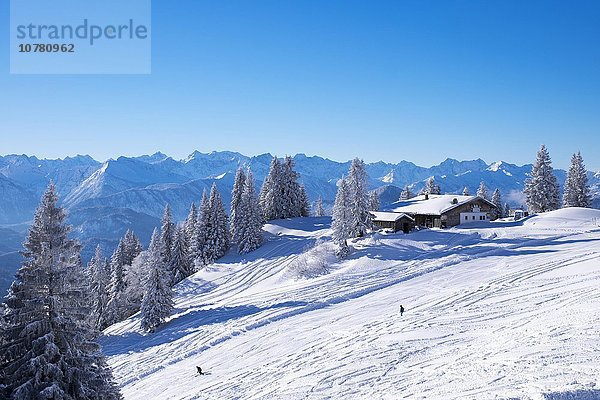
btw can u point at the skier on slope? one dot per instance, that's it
(401, 310)
(199, 370)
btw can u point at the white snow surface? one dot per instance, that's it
(496, 310)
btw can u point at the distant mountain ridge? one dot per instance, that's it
(105, 199)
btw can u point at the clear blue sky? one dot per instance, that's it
(390, 80)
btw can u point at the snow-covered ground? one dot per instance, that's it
(499, 310)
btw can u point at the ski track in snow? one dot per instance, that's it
(491, 312)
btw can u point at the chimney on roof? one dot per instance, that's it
(426, 196)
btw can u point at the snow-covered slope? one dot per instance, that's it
(500, 310)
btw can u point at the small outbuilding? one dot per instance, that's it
(393, 221)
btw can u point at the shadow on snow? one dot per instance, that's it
(181, 325)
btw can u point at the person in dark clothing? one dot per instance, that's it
(401, 310)
(199, 370)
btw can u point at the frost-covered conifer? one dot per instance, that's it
(167, 233)
(482, 191)
(290, 190)
(133, 247)
(497, 200)
(157, 303)
(359, 203)
(541, 189)
(342, 218)
(216, 239)
(304, 204)
(48, 346)
(251, 236)
(281, 195)
(189, 225)
(374, 201)
(506, 212)
(406, 193)
(236, 201)
(431, 187)
(201, 231)
(181, 267)
(271, 192)
(117, 307)
(466, 192)
(319, 210)
(99, 273)
(135, 280)
(577, 191)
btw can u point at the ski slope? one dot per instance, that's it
(498, 310)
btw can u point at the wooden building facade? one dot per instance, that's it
(393, 221)
(444, 211)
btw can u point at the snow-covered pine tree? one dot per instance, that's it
(431, 187)
(217, 229)
(281, 195)
(119, 255)
(304, 203)
(271, 193)
(117, 307)
(290, 189)
(167, 233)
(99, 274)
(236, 201)
(201, 231)
(342, 219)
(374, 201)
(358, 195)
(497, 200)
(181, 267)
(577, 191)
(406, 193)
(136, 275)
(189, 225)
(482, 191)
(465, 191)
(133, 247)
(157, 303)
(319, 210)
(48, 347)
(221, 222)
(251, 235)
(541, 189)
(506, 211)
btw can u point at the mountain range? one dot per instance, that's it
(104, 199)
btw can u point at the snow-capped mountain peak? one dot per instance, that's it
(495, 166)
